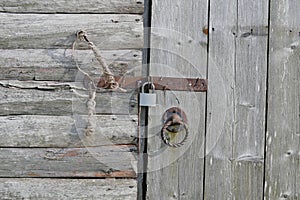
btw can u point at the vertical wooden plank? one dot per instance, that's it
(220, 100)
(250, 99)
(178, 49)
(238, 51)
(283, 131)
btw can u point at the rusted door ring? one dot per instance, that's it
(175, 122)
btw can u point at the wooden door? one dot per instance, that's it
(244, 132)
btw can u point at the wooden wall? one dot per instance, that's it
(244, 132)
(44, 151)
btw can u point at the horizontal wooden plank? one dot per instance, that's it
(65, 131)
(53, 98)
(63, 189)
(46, 31)
(104, 161)
(58, 64)
(72, 6)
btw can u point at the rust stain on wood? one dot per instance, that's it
(205, 30)
(109, 174)
(117, 174)
(71, 153)
(32, 174)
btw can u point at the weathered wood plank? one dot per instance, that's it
(178, 49)
(58, 64)
(46, 31)
(283, 131)
(105, 161)
(235, 146)
(63, 189)
(65, 131)
(220, 106)
(53, 98)
(250, 99)
(72, 6)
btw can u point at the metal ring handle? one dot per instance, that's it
(166, 140)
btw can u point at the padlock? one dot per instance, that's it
(148, 99)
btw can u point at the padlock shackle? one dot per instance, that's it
(147, 83)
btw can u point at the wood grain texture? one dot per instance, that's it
(236, 150)
(250, 99)
(63, 189)
(42, 118)
(105, 161)
(47, 31)
(72, 6)
(220, 100)
(58, 64)
(283, 131)
(65, 131)
(55, 98)
(178, 49)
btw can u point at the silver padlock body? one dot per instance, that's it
(147, 99)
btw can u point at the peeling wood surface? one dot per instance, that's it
(59, 65)
(55, 98)
(66, 131)
(48, 31)
(283, 131)
(178, 49)
(64, 189)
(105, 161)
(72, 6)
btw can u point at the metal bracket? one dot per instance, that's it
(160, 83)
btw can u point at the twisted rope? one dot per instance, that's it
(110, 82)
(91, 103)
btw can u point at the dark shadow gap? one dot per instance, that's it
(206, 102)
(267, 94)
(143, 111)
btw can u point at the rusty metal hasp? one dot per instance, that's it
(160, 83)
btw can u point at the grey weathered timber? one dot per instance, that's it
(283, 130)
(46, 31)
(65, 189)
(220, 100)
(250, 99)
(238, 61)
(178, 49)
(43, 99)
(65, 131)
(104, 161)
(55, 98)
(58, 64)
(72, 6)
